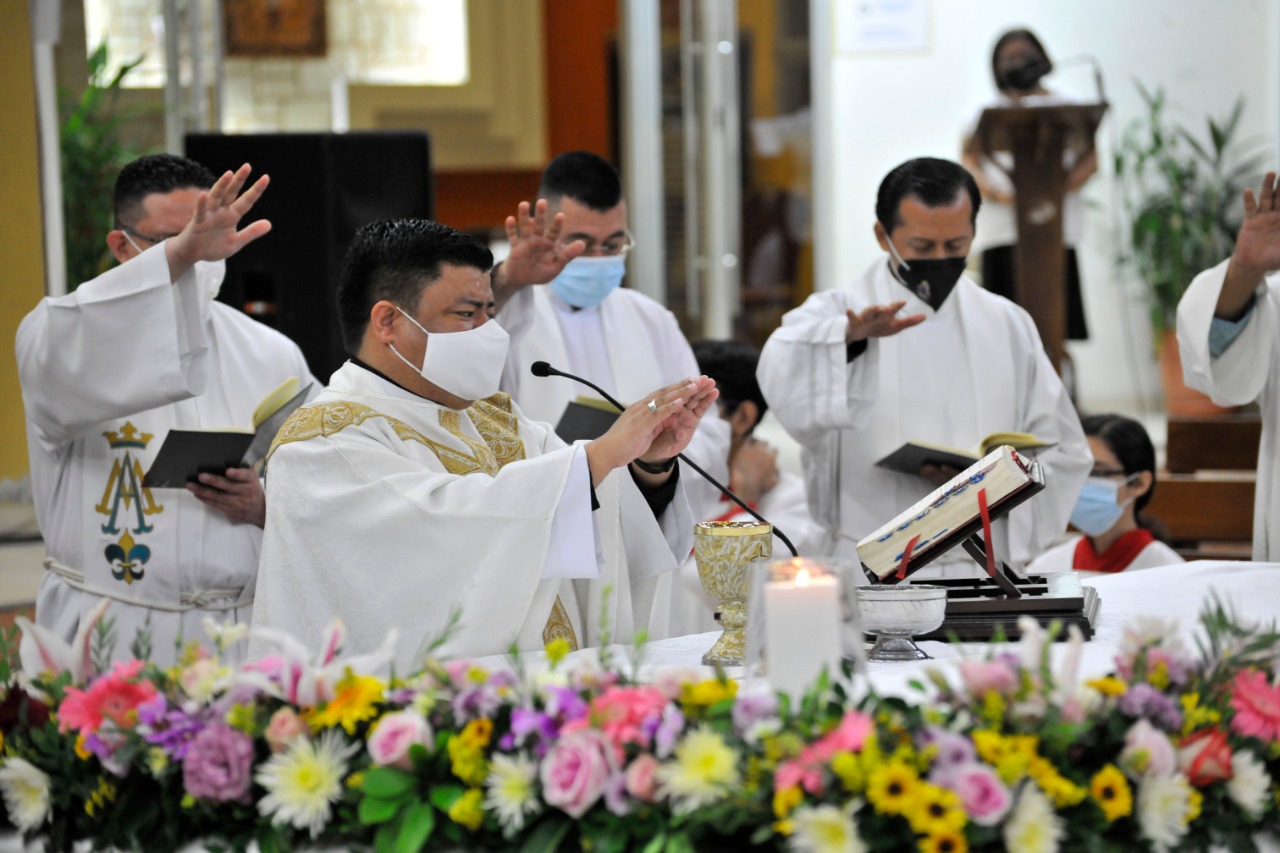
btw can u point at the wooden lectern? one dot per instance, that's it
(1037, 137)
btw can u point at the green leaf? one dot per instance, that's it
(387, 783)
(546, 837)
(444, 796)
(377, 810)
(655, 846)
(679, 843)
(419, 820)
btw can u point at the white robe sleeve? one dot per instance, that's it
(113, 348)
(806, 376)
(1239, 375)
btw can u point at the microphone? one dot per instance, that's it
(541, 368)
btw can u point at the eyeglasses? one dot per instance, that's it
(611, 248)
(158, 239)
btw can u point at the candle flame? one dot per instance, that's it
(802, 577)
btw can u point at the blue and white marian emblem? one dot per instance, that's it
(127, 505)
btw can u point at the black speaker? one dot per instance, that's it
(323, 187)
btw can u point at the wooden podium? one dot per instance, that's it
(1037, 137)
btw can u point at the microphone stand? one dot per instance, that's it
(548, 370)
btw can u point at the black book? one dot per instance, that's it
(585, 419)
(187, 453)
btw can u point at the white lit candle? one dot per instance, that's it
(801, 625)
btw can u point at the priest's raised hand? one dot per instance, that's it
(212, 233)
(1257, 249)
(653, 430)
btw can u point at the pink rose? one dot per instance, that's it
(1205, 757)
(284, 728)
(985, 798)
(391, 738)
(642, 780)
(1147, 751)
(980, 677)
(576, 770)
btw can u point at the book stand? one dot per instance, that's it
(982, 607)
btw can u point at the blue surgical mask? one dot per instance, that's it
(1098, 508)
(587, 281)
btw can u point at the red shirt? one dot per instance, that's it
(1116, 558)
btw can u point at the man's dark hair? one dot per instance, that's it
(1021, 34)
(155, 173)
(584, 177)
(394, 259)
(732, 364)
(934, 181)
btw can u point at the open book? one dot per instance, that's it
(947, 515)
(909, 457)
(187, 453)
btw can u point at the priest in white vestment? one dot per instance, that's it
(1229, 339)
(583, 322)
(914, 350)
(412, 489)
(107, 371)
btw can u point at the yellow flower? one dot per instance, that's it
(476, 733)
(782, 746)
(993, 707)
(786, 799)
(355, 780)
(1061, 790)
(1009, 755)
(1194, 715)
(784, 827)
(850, 771)
(468, 763)
(704, 694)
(157, 761)
(934, 810)
(1108, 686)
(556, 650)
(1158, 675)
(242, 717)
(477, 674)
(82, 752)
(891, 787)
(1110, 790)
(946, 841)
(353, 702)
(106, 793)
(1194, 803)
(188, 801)
(468, 810)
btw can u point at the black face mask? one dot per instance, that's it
(1025, 77)
(930, 279)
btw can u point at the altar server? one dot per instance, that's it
(1115, 537)
(915, 350)
(1229, 338)
(107, 371)
(412, 488)
(583, 321)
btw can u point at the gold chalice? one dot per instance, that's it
(724, 551)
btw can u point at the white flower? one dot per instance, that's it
(1033, 826)
(511, 793)
(826, 829)
(224, 634)
(1163, 806)
(304, 781)
(26, 793)
(703, 769)
(205, 679)
(1249, 785)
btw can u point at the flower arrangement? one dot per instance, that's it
(1178, 749)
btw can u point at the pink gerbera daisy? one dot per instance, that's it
(1257, 706)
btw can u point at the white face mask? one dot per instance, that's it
(209, 274)
(466, 364)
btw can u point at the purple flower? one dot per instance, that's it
(526, 721)
(103, 743)
(171, 730)
(1143, 700)
(564, 704)
(219, 765)
(615, 794)
(480, 700)
(953, 749)
(749, 710)
(664, 739)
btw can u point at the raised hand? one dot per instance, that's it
(677, 430)
(536, 254)
(1257, 249)
(213, 233)
(878, 321)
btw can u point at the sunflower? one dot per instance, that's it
(1110, 790)
(944, 841)
(934, 810)
(891, 787)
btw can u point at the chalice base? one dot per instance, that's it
(892, 646)
(729, 649)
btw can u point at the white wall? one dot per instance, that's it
(883, 109)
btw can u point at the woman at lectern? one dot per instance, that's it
(1114, 536)
(1019, 64)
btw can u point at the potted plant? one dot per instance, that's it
(93, 152)
(1182, 199)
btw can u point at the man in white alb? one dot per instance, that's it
(411, 488)
(915, 350)
(107, 371)
(583, 322)
(1228, 336)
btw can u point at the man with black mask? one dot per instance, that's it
(915, 350)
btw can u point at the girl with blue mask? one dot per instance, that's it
(1113, 536)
